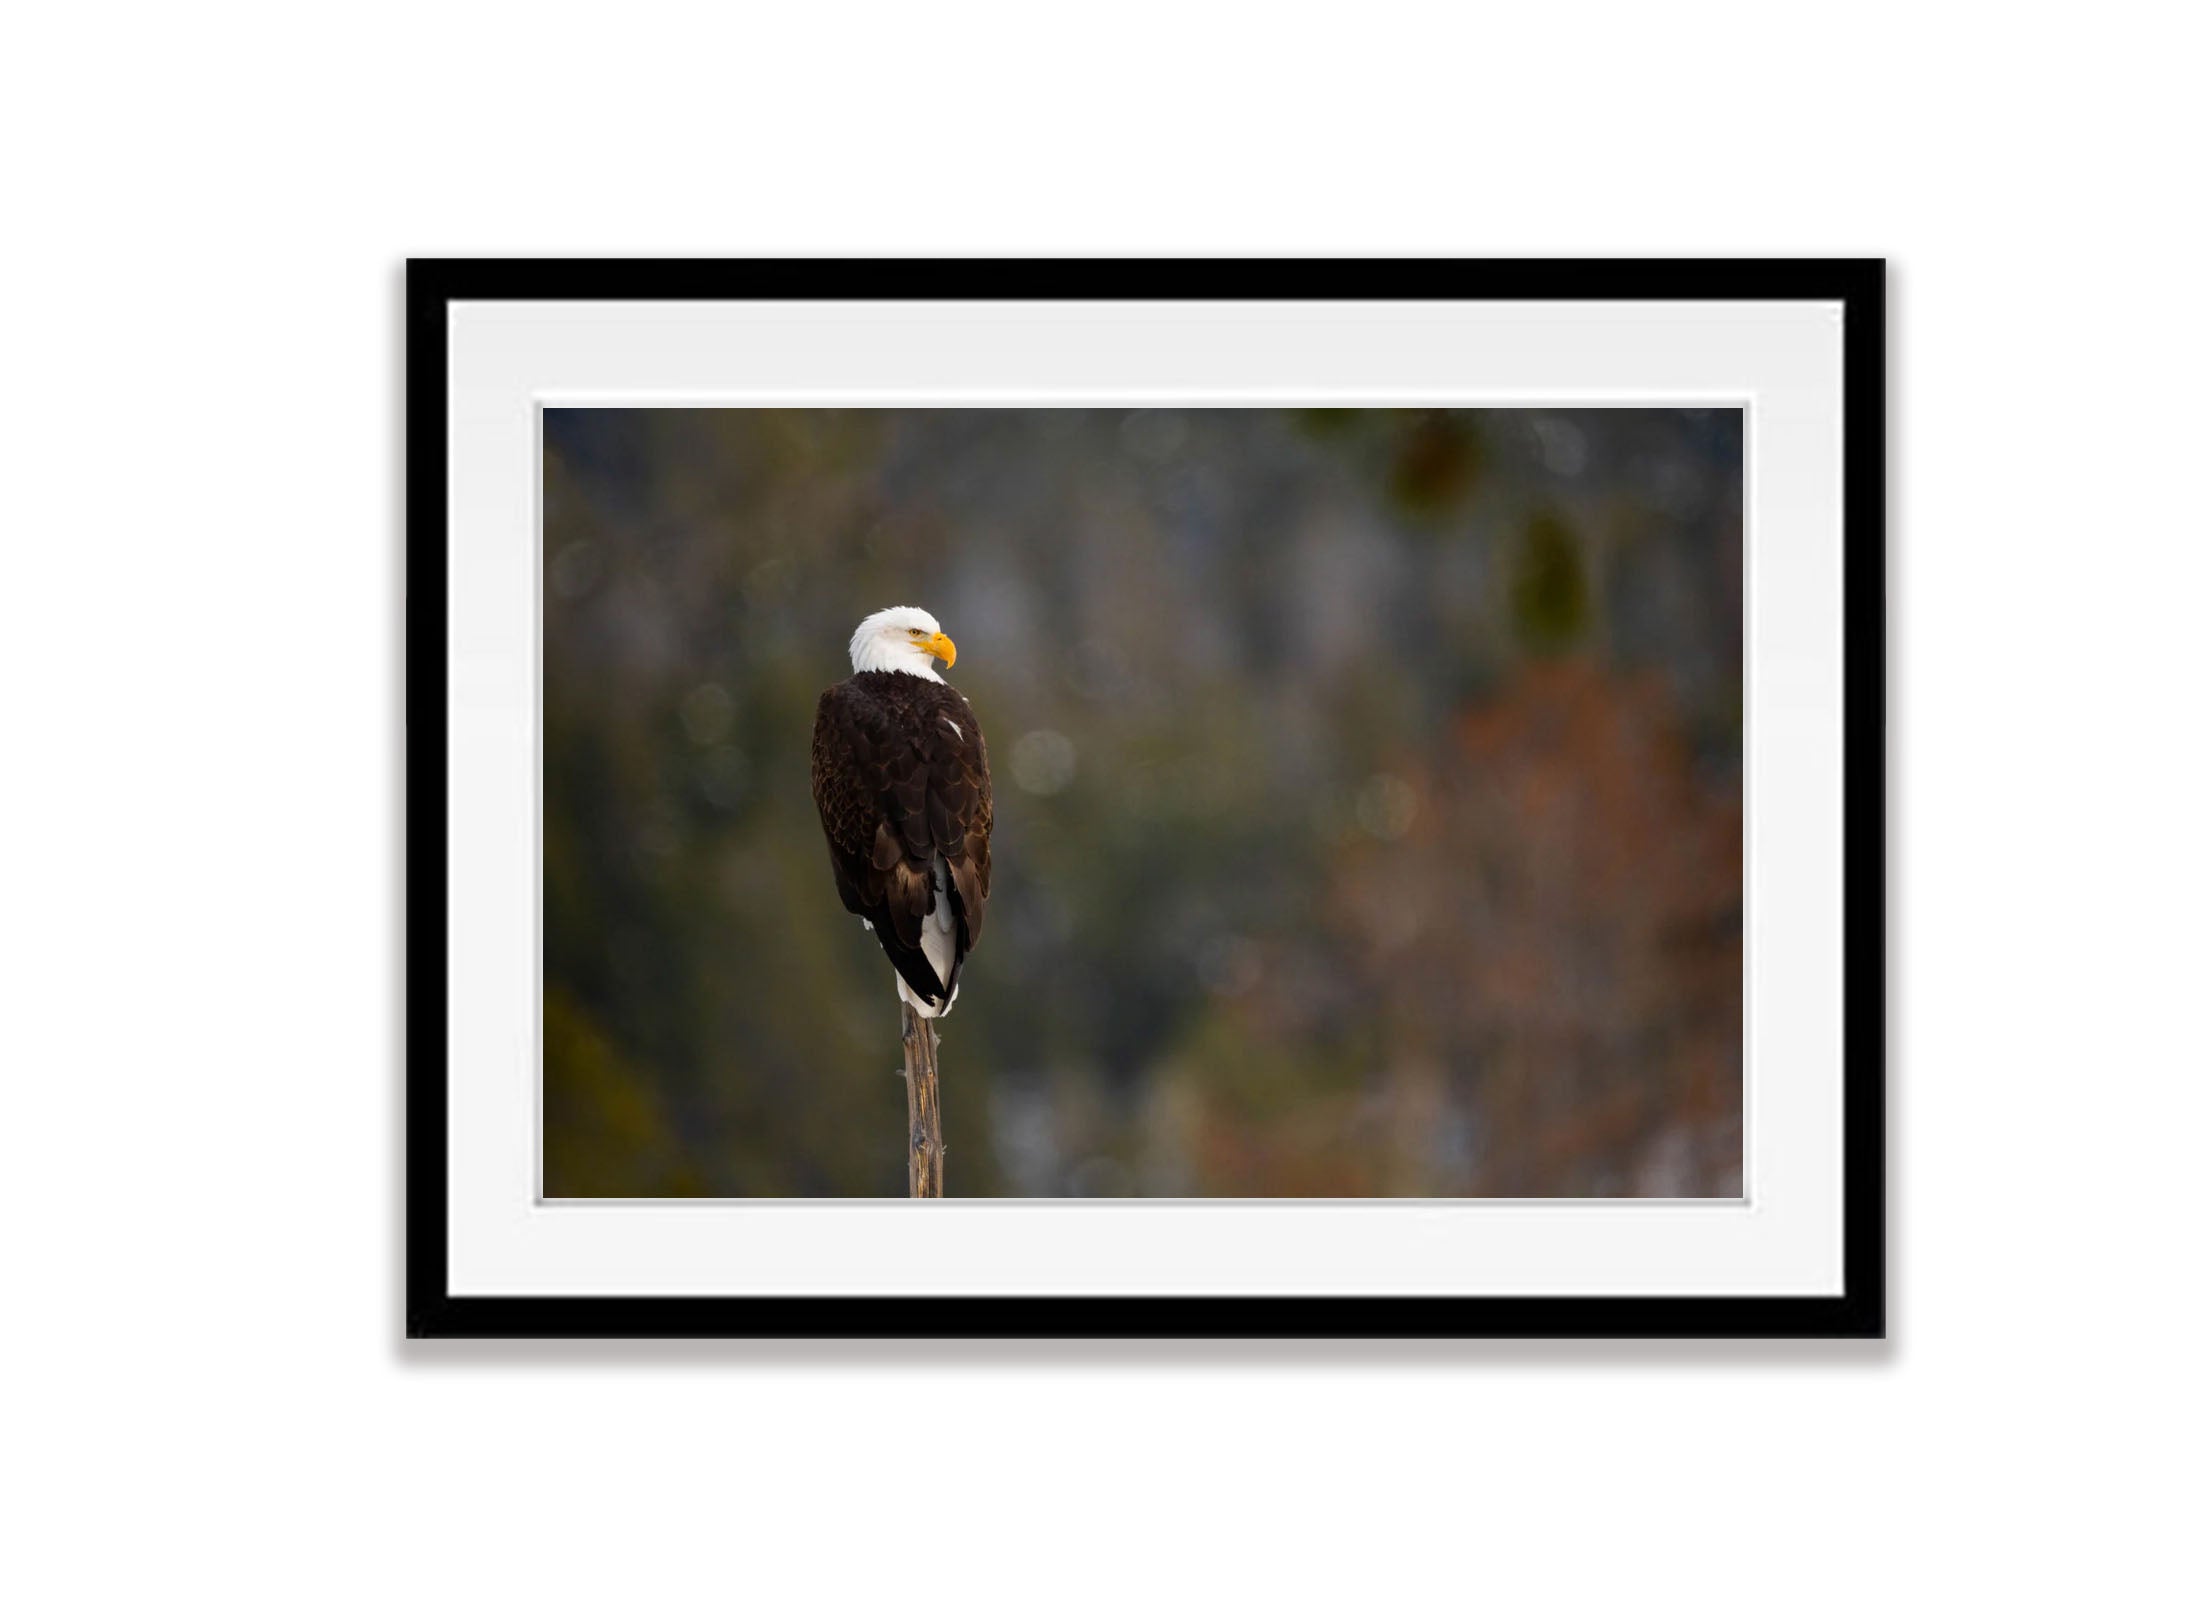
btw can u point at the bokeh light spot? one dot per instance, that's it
(707, 713)
(1043, 762)
(1385, 807)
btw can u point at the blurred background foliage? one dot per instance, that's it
(1368, 795)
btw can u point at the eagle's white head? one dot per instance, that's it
(901, 639)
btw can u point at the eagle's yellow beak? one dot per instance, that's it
(939, 645)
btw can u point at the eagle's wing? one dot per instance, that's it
(895, 798)
(959, 803)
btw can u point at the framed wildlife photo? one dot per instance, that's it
(1146, 798)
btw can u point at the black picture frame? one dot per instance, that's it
(1859, 1311)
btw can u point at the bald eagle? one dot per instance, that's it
(897, 767)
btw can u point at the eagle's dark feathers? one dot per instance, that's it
(897, 766)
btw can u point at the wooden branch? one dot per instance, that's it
(920, 1058)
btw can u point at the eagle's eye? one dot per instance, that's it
(916, 633)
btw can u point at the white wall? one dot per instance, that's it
(206, 208)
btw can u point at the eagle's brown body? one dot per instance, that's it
(898, 769)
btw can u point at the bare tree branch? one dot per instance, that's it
(920, 1055)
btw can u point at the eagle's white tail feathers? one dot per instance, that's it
(938, 943)
(922, 1007)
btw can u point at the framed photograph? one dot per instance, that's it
(1146, 798)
